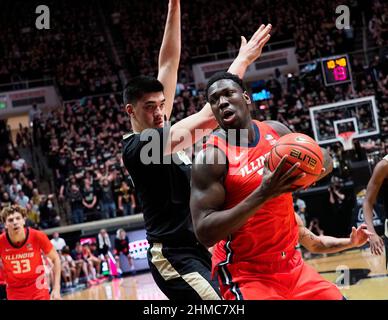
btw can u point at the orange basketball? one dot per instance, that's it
(299, 148)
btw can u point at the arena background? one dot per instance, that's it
(62, 116)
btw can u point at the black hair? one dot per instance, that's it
(138, 86)
(224, 76)
(66, 250)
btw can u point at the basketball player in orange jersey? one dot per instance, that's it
(3, 292)
(21, 254)
(378, 185)
(247, 212)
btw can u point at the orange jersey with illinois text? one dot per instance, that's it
(23, 265)
(272, 230)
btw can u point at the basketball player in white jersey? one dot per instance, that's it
(378, 185)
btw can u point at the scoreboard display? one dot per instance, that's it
(336, 70)
(3, 102)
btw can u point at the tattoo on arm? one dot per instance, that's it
(320, 244)
(306, 232)
(312, 241)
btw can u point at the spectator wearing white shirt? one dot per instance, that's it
(16, 186)
(58, 243)
(22, 200)
(13, 191)
(19, 163)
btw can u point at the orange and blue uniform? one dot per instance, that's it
(23, 266)
(259, 261)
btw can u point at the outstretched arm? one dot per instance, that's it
(169, 55)
(326, 244)
(250, 51)
(379, 174)
(182, 134)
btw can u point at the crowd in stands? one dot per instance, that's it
(89, 262)
(378, 24)
(211, 27)
(19, 185)
(82, 142)
(74, 50)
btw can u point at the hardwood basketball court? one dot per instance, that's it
(365, 274)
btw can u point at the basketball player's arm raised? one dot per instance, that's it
(193, 128)
(379, 174)
(54, 257)
(326, 244)
(208, 194)
(250, 51)
(169, 55)
(282, 130)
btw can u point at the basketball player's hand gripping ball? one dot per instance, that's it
(299, 148)
(280, 180)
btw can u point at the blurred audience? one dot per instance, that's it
(29, 54)
(58, 243)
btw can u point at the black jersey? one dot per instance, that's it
(382, 196)
(163, 187)
(121, 245)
